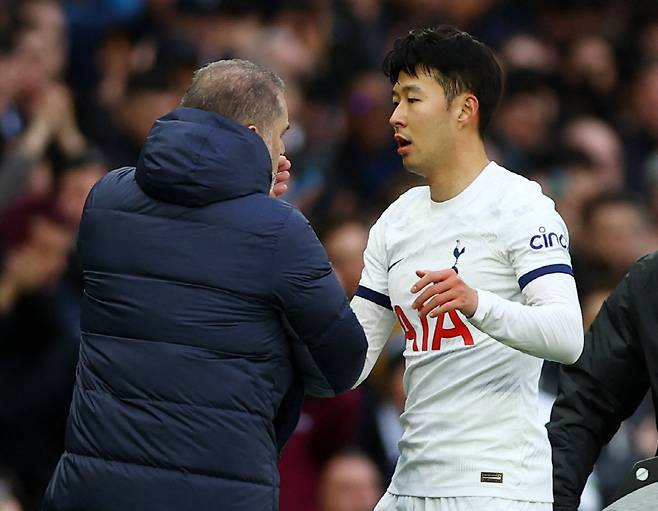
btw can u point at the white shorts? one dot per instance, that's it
(390, 502)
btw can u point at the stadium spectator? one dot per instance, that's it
(527, 116)
(8, 492)
(528, 51)
(602, 144)
(50, 121)
(617, 233)
(73, 182)
(350, 482)
(325, 428)
(367, 159)
(642, 131)
(38, 349)
(345, 243)
(590, 77)
(121, 130)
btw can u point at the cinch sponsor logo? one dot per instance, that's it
(546, 240)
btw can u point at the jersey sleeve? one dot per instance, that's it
(374, 278)
(537, 241)
(372, 303)
(548, 325)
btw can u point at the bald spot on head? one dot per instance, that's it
(239, 89)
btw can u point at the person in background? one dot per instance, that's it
(8, 492)
(618, 233)
(608, 382)
(349, 482)
(345, 243)
(121, 131)
(38, 350)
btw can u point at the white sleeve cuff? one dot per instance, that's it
(486, 300)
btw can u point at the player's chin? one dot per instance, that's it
(413, 169)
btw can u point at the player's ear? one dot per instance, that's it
(255, 129)
(470, 107)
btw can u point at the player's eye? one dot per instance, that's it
(413, 100)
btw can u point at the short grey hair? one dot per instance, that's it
(246, 92)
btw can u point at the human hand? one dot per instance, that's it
(282, 177)
(443, 291)
(49, 106)
(45, 114)
(54, 111)
(69, 137)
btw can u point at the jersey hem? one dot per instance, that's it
(524, 496)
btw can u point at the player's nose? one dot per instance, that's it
(397, 118)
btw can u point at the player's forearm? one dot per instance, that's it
(377, 323)
(549, 327)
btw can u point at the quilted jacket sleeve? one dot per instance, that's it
(329, 345)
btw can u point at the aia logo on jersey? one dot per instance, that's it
(441, 331)
(547, 240)
(457, 253)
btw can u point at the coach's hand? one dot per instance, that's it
(282, 177)
(443, 291)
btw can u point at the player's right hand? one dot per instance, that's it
(443, 291)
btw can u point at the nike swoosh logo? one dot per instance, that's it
(396, 262)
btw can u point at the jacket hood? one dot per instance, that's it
(192, 157)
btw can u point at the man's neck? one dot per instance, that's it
(451, 177)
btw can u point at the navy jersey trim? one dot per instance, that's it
(374, 296)
(544, 270)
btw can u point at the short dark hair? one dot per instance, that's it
(459, 62)
(239, 89)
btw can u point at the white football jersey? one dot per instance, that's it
(471, 425)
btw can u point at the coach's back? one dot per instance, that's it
(201, 294)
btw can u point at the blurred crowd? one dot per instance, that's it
(81, 83)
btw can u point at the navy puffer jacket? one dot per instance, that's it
(207, 306)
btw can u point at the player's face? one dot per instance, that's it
(424, 123)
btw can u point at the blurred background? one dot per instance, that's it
(81, 83)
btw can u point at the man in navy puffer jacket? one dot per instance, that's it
(208, 307)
